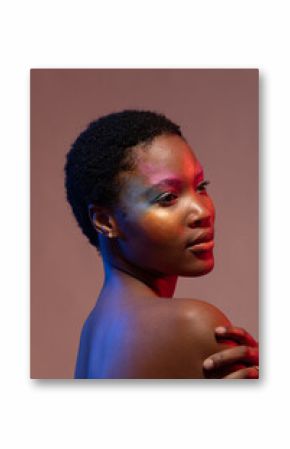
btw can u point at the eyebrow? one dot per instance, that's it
(199, 175)
(173, 182)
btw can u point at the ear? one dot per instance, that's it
(103, 221)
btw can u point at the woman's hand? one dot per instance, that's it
(238, 362)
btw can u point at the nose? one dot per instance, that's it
(202, 213)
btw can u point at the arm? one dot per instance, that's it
(200, 321)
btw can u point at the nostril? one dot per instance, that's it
(203, 222)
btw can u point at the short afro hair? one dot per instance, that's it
(100, 153)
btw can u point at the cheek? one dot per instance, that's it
(159, 227)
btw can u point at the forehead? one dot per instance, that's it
(165, 156)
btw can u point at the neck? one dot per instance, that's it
(127, 280)
(124, 280)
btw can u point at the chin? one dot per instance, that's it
(200, 268)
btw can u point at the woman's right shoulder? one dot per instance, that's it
(169, 339)
(180, 310)
(194, 329)
(196, 310)
(195, 320)
(188, 318)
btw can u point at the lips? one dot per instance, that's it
(202, 238)
(199, 247)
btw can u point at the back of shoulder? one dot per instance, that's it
(168, 340)
(198, 320)
(200, 315)
(195, 334)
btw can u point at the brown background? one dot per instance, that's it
(218, 114)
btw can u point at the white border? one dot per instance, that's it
(150, 34)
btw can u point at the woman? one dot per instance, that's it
(139, 195)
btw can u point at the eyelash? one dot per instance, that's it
(203, 184)
(164, 196)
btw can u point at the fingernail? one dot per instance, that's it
(208, 364)
(220, 330)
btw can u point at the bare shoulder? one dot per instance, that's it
(169, 338)
(199, 320)
(199, 313)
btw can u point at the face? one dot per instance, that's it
(165, 212)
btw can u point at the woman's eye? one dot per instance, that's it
(202, 186)
(166, 198)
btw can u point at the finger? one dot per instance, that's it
(232, 355)
(236, 333)
(251, 372)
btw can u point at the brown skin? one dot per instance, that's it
(157, 338)
(144, 242)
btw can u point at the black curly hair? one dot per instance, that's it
(100, 153)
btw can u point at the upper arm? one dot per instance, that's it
(171, 344)
(199, 323)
